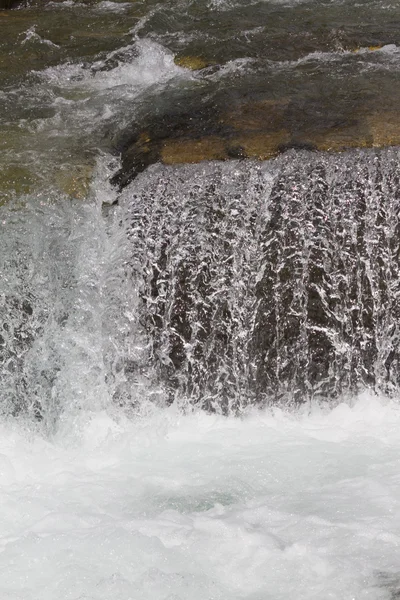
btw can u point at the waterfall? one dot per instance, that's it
(269, 282)
(61, 323)
(218, 285)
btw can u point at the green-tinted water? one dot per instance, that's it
(74, 74)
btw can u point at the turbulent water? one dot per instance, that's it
(199, 375)
(176, 507)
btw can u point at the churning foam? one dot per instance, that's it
(166, 506)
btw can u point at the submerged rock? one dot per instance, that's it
(384, 128)
(259, 129)
(74, 180)
(15, 180)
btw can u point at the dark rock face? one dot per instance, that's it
(270, 283)
(8, 3)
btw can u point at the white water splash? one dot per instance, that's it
(31, 35)
(138, 65)
(203, 507)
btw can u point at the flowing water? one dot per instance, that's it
(199, 374)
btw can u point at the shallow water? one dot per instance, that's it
(74, 74)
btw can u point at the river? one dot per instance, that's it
(199, 370)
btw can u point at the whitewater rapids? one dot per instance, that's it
(202, 507)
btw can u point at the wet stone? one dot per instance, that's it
(384, 128)
(193, 151)
(259, 129)
(15, 180)
(194, 63)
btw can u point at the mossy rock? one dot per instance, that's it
(194, 63)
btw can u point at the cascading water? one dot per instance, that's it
(110, 312)
(69, 329)
(222, 286)
(269, 282)
(199, 374)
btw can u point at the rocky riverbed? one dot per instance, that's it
(208, 80)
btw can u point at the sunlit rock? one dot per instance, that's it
(384, 128)
(258, 129)
(368, 48)
(260, 146)
(193, 151)
(194, 63)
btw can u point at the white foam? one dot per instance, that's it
(117, 7)
(225, 5)
(274, 505)
(146, 63)
(386, 57)
(66, 4)
(85, 97)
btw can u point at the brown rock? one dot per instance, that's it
(340, 138)
(384, 129)
(74, 181)
(369, 48)
(262, 145)
(265, 115)
(193, 151)
(194, 63)
(256, 129)
(15, 180)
